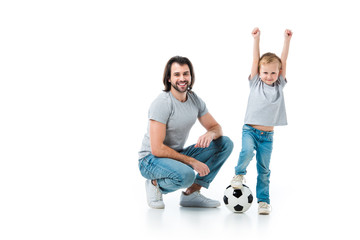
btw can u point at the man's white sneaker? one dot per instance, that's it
(237, 181)
(196, 199)
(264, 208)
(154, 196)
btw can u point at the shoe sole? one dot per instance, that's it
(156, 207)
(197, 206)
(262, 213)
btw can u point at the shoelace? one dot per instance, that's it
(204, 199)
(263, 205)
(240, 178)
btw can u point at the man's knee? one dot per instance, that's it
(226, 143)
(185, 179)
(188, 179)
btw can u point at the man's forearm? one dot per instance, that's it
(216, 131)
(164, 151)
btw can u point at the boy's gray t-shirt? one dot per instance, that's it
(266, 105)
(178, 116)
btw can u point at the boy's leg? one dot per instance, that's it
(247, 151)
(263, 157)
(169, 174)
(213, 156)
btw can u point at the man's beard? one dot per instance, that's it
(178, 89)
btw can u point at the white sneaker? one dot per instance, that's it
(196, 199)
(154, 196)
(264, 208)
(237, 181)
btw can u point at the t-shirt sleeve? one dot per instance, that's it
(253, 80)
(282, 80)
(201, 106)
(160, 110)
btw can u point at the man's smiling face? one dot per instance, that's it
(180, 78)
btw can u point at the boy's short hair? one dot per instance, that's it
(269, 57)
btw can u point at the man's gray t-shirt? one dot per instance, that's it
(266, 105)
(178, 116)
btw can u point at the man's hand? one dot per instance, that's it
(205, 140)
(213, 131)
(200, 167)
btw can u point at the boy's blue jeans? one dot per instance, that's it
(172, 175)
(261, 142)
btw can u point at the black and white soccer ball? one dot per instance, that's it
(238, 200)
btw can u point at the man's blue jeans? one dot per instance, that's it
(261, 142)
(172, 175)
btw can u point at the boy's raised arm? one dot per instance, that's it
(256, 52)
(288, 34)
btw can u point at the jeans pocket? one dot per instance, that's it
(270, 137)
(145, 166)
(143, 161)
(246, 128)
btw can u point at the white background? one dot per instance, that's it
(76, 81)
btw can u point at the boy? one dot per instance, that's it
(266, 109)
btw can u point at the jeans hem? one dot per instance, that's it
(202, 183)
(264, 200)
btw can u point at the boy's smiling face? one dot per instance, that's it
(269, 72)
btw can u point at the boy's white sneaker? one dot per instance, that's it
(264, 208)
(196, 199)
(237, 181)
(153, 195)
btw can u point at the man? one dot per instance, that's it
(163, 160)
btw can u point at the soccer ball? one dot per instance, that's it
(238, 200)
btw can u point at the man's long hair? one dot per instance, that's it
(167, 72)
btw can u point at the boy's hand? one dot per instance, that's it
(255, 33)
(288, 34)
